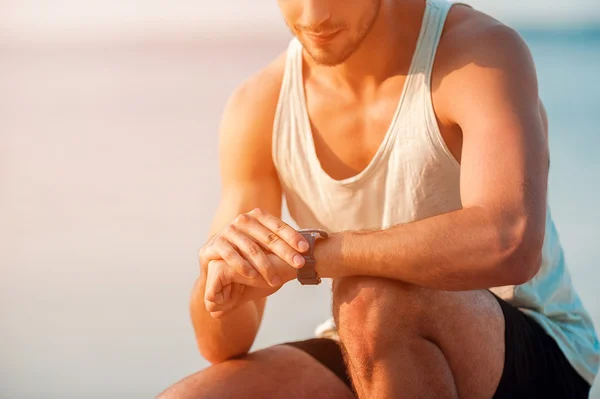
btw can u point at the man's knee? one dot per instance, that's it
(371, 313)
(205, 384)
(379, 311)
(185, 389)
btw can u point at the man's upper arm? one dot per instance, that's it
(504, 161)
(248, 176)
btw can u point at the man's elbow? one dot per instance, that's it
(522, 259)
(526, 266)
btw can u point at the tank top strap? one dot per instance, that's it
(431, 33)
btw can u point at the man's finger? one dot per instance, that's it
(214, 286)
(226, 293)
(228, 251)
(218, 315)
(252, 225)
(226, 306)
(294, 239)
(254, 254)
(245, 296)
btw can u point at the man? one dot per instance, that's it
(411, 132)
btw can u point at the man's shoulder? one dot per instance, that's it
(247, 121)
(255, 99)
(478, 56)
(473, 38)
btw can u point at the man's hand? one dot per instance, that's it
(226, 289)
(245, 243)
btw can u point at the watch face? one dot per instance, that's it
(315, 232)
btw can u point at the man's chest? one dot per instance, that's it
(348, 132)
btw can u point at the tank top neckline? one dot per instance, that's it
(391, 132)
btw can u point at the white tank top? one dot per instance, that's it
(413, 176)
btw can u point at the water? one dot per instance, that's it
(568, 65)
(109, 179)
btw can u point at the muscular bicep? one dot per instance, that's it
(504, 162)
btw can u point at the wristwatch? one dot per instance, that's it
(307, 275)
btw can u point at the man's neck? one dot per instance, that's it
(387, 49)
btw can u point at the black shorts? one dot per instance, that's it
(534, 366)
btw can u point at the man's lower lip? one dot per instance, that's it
(323, 39)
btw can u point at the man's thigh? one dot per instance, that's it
(497, 333)
(277, 372)
(468, 327)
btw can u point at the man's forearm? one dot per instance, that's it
(221, 339)
(463, 250)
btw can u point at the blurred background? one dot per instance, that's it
(108, 177)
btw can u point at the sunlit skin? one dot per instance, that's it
(355, 64)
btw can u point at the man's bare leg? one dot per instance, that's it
(279, 372)
(404, 341)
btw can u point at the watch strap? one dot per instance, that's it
(307, 274)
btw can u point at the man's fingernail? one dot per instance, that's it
(252, 273)
(276, 281)
(298, 260)
(303, 245)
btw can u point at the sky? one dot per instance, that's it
(45, 17)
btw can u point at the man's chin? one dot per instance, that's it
(326, 59)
